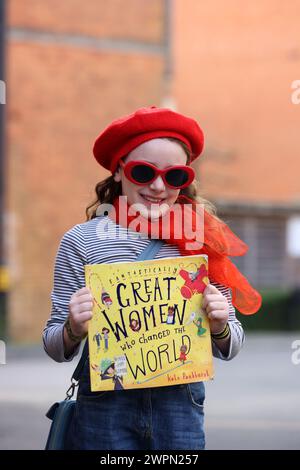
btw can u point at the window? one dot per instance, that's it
(264, 265)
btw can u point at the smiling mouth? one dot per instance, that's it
(153, 200)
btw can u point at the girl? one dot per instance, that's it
(149, 154)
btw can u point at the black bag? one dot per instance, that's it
(61, 413)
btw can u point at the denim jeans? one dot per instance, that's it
(158, 418)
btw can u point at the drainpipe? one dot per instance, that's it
(3, 268)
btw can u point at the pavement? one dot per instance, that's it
(252, 403)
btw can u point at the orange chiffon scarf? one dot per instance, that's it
(209, 236)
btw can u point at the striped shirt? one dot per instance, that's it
(97, 241)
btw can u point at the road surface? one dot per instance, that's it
(253, 402)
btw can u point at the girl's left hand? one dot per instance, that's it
(217, 308)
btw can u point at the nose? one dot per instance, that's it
(158, 184)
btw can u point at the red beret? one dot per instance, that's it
(126, 133)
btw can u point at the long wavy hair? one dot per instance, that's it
(108, 189)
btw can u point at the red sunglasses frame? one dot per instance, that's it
(127, 167)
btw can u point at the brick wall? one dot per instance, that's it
(233, 69)
(71, 70)
(73, 66)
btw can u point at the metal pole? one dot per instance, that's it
(3, 269)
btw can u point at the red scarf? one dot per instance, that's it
(217, 242)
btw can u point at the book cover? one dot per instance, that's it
(148, 328)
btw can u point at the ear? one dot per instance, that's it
(117, 175)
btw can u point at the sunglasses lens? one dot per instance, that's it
(142, 173)
(177, 178)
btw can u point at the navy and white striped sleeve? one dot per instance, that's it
(237, 335)
(68, 278)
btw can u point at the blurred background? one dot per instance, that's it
(67, 69)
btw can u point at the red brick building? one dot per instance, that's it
(74, 66)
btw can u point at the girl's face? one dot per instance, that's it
(161, 153)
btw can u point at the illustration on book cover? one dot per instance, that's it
(148, 328)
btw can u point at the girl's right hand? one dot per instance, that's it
(80, 311)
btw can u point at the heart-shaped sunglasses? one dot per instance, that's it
(142, 173)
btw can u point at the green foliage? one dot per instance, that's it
(277, 313)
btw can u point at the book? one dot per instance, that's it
(148, 328)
